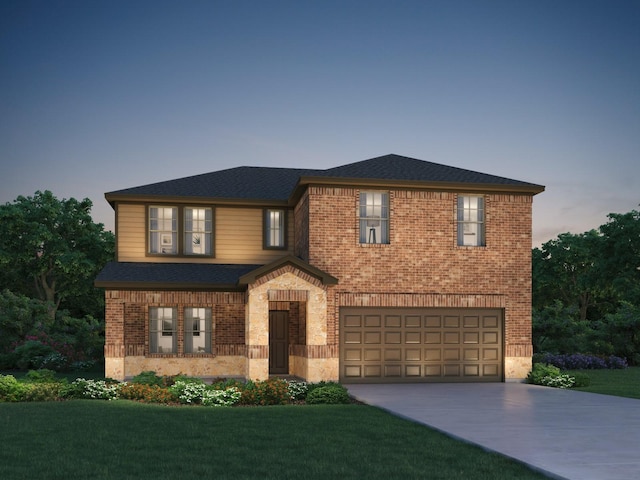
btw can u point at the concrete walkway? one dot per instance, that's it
(565, 434)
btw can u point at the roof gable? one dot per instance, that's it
(299, 264)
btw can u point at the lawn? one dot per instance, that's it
(126, 440)
(622, 383)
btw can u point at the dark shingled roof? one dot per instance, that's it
(193, 275)
(397, 167)
(266, 183)
(263, 183)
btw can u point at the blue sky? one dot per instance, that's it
(98, 96)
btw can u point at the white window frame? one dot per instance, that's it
(163, 230)
(198, 230)
(163, 323)
(373, 217)
(471, 221)
(275, 228)
(197, 330)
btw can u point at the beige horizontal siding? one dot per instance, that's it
(238, 237)
(131, 233)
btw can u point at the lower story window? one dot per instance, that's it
(163, 337)
(197, 330)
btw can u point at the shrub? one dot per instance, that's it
(147, 377)
(11, 390)
(73, 390)
(579, 361)
(56, 361)
(31, 354)
(83, 365)
(42, 375)
(614, 362)
(328, 394)
(194, 392)
(551, 376)
(221, 398)
(188, 392)
(97, 389)
(312, 386)
(19, 316)
(146, 393)
(559, 381)
(44, 391)
(540, 371)
(273, 391)
(297, 390)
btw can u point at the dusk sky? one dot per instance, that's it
(97, 96)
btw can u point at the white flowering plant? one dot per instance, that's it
(561, 381)
(198, 393)
(221, 398)
(97, 389)
(297, 390)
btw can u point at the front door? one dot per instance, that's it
(278, 342)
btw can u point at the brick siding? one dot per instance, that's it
(127, 315)
(423, 258)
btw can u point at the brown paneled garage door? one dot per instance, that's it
(387, 345)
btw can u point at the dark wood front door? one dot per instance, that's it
(279, 342)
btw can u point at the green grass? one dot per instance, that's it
(126, 440)
(622, 383)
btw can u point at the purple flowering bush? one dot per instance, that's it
(580, 361)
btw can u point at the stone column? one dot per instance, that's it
(257, 335)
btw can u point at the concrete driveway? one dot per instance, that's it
(565, 434)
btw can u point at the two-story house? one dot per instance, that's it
(386, 270)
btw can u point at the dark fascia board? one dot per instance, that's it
(115, 198)
(324, 277)
(304, 182)
(115, 285)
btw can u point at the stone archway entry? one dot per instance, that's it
(278, 342)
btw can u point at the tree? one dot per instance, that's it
(621, 254)
(569, 269)
(596, 275)
(52, 250)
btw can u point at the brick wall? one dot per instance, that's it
(301, 221)
(423, 256)
(127, 331)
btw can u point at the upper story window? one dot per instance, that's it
(163, 336)
(471, 221)
(197, 231)
(163, 230)
(197, 330)
(275, 228)
(192, 225)
(374, 217)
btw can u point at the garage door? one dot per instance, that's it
(420, 345)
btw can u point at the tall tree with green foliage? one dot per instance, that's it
(586, 290)
(569, 269)
(51, 249)
(621, 254)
